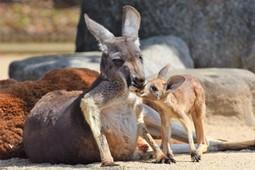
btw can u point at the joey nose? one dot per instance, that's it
(158, 95)
(139, 82)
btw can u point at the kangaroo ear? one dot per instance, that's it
(131, 20)
(163, 73)
(98, 31)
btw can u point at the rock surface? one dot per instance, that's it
(219, 33)
(249, 60)
(35, 67)
(229, 92)
(157, 51)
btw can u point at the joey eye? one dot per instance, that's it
(141, 58)
(154, 88)
(118, 62)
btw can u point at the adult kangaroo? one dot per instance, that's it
(56, 130)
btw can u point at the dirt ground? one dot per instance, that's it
(212, 161)
(218, 127)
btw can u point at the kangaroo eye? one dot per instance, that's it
(118, 62)
(141, 58)
(153, 88)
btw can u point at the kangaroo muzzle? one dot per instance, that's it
(138, 82)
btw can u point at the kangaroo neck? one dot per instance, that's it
(156, 105)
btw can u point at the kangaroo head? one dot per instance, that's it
(155, 88)
(121, 55)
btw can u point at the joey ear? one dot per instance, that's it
(131, 20)
(163, 73)
(98, 31)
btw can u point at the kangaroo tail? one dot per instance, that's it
(216, 146)
(224, 146)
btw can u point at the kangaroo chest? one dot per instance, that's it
(120, 127)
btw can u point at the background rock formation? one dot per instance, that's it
(156, 51)
(219, 33)
(34, 68)
(229, 92)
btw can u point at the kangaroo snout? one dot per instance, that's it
(138, 82)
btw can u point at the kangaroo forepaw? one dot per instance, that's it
(165, 160)
(195, 157)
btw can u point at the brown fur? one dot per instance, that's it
(18, 98)
(113, 116)
(57, 132)
(66, 133)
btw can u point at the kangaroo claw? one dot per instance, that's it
(171, 157)
(165, 160)
(195, 157)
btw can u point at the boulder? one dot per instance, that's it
(219, 33)
(34, 68)
(229, 92)
(249, 60)
(157, 51)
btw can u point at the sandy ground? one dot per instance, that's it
(218, 127)
(227, 160)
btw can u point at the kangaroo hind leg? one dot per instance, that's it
(198, 115)
(187, 123)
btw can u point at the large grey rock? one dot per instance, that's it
(249, 60)
(229, 92)
(219, 33)
(157, 51)
(34, 68)
(160, 50)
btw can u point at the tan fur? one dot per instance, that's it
(176, 98)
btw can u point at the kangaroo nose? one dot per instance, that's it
(139, 82)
